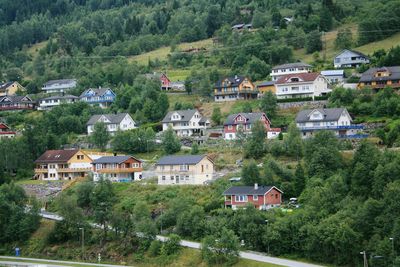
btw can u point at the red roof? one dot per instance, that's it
(3, 126)
(303, 77)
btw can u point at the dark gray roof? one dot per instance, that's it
(186, 115)
(292, 65)
(330, 114)
(234, 80)
(251, 117)
(353, 51)
(249, 190)
(369, 75)
(17, 99)
(97, 91)
(266, 83)
(177, 160)
(113, 118)
(5, 85)
(112, 159)
(63, 81)
(61, 97)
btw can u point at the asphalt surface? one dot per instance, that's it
(46, 263)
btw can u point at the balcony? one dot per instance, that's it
(343, 127)
(70, 170)
(41, 170)
(353, 136)
(226, 93)
(119, 170)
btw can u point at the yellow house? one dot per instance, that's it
(65, 164)
(234, 88)
(10, 88)
(187, 169)
(379, 78)
(267, 86)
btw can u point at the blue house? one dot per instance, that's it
(103, 97)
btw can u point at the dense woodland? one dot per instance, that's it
(348, 192)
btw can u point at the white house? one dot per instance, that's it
(186, 122)
(52, 101)
(59, 86)
(338, 120)
(333, 76)
(290, 68)
(187, 169)
(350, 59)
(114, 122)
(301, 85)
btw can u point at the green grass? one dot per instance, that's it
(178, 74)
(162, 53)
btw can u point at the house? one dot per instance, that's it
(350, 59)
(267, 86)
(59, 86)
(244, 122)
(163, 78)
(186, 122)
(177, 86)
(233, 88)
(379, 78)
(16, 103)
(117, 168)
(333, 76)
(337, 120)
(102, 97)
(301, 85)
(10, 88)
(52, 101)
(5, 131)
(187, 169)
(261, 197)
(114, 122)
(242, 26)
(62, 165)
(290, 68)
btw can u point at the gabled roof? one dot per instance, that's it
(60, 97)
(238, 26)
(5, 85)
(332, 72)
(266, 83)
(234, 81)
(113, 159)
(62, 81)
(249, 190)
(292, 65)
(303, 77)
(353, 51)
(97, 91)
(55, 156)
(4, 126)
(113, 118)
(330, 114)
(186, 115)
(250, 117)
(178, 160)
(16, 99)
(369, 75)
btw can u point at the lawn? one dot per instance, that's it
(34, 49)
(163, 52)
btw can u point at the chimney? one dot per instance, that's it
(255, 186)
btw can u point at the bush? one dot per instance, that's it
(171, 246)
(155, 248)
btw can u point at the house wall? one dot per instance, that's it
(344, 59)
(86, 162)
(196, 174)
(273, 197)
(186, 130)
(12, 89)
(264, 89)
(277, 73)
(127, 124)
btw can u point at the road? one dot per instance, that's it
(250, 255)
(43, 263)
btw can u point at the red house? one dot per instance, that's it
(5, 131)
(165, 82)
(245, 121)
(262, 197)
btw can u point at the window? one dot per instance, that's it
(184, 167)
(80, 157)
(241, 198)
(172, 177)
(276, 196)
(229, 127)
(255, 197)
(163, 178)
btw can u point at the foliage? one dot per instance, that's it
(170, 141)
(100, 135)
(171, 246)
(216, 116)
(195, 149)
(344, 39)
(255, 145)
(269, 104)
(314, 42)
(134, 141)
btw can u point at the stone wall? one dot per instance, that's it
(301, 104)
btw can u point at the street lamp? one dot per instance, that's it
(393, 252)
(364, 253)
(83, 241)
(266, 221)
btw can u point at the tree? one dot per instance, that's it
(100, 135)
(269, 104)
(293, 142)
(102, 201)
(344, 39)
(188, 86)
(170, 141)
(314, 42)
(250, 174)
(216, 116)
(299, 182)
(255, 145)
(171, 246)
(195, 149)
(222, 248)
(247, 108)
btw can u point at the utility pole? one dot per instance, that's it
(393, 251)
(83, 241)
(364, 253)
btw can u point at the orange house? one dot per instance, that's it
(234, 88)
(379, 78)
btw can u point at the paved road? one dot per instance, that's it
(245, 255)
(42, 262)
